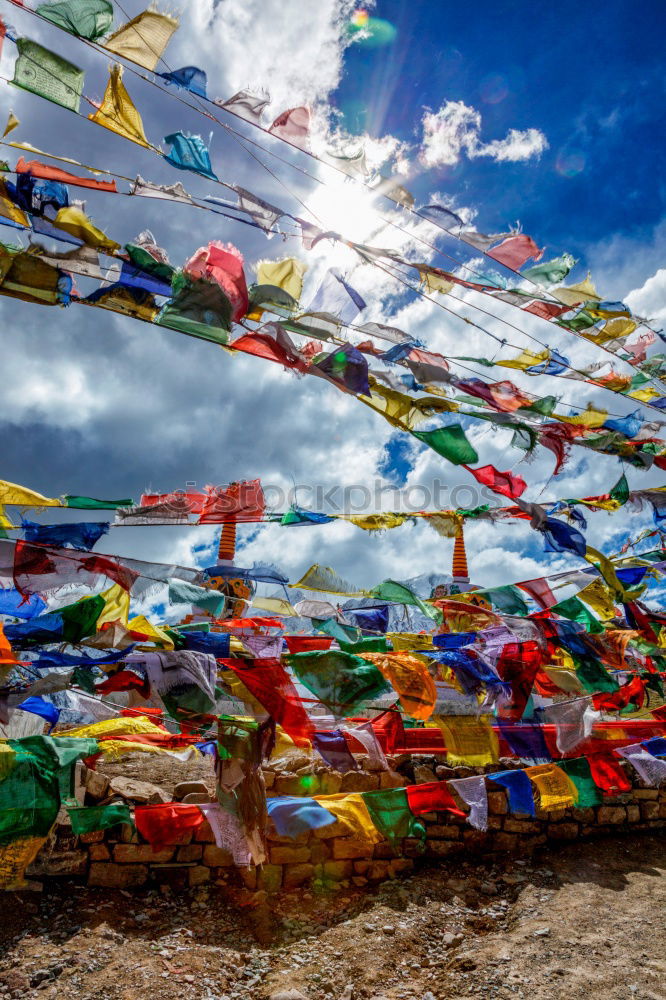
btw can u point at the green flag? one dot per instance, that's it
(85, 820)
(368, 645)
(574, 609)
(48, 75)
(578, 771)
(620, 492)
(550, 272)
(593, 676)
(390, 812)
(338, 680)
(450, 443)
(89, 503)
(89, 19)
(391, 590)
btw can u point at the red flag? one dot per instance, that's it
(238, 502)
(272, 686)
(223, 264)
(37, 169)
(518, 665)
(294, 126)
(499, 482)
(608, 775)
(167, 823)
(306, 643)
(516, 251)
(39, 568)
(433, 796)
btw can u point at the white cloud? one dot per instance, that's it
(293, 50)
(454, 131)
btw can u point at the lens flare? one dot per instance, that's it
(371, 32)
(570, 162)
(494, 88)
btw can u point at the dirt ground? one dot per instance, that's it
(582, 921)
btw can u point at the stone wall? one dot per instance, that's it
(119, 858)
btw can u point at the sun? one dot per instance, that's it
(346, 209)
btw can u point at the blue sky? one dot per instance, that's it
(562, 129)
(590, 77)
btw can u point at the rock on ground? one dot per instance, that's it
(582, 922)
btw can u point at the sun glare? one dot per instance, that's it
(346, 210)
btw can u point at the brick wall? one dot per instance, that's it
(119, 858)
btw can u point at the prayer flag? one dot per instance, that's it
(143, 39)
(48, 75)
(117, 112)
(90, 19)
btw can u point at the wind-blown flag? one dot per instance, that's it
(143, 39)
(515, 251)
(500, 482)
(48, 75)
(117, 111)
(294, 126)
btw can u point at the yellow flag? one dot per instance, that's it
(12, 123)
(409, 677)
(117, 112)
(143, 39)
(378, 522)
(590, 418)
(469, 741)
(584, 291)
(275, 606)
(143, 626)
(436, 283)
(108, 728)
(566, 680)
(287, 274)
(8, 210)
(409, 640)
(113, 749)
(10, 493)
(350, 809)
(116, 606)
(607, 570)
(599, 598)
(4, 520)
(644, 395)
(556, 790)
(525, 360)
(73, 220)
